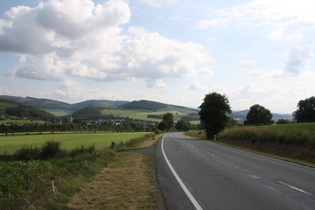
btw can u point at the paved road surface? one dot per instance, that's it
(211, 176)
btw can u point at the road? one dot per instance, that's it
(196, 174)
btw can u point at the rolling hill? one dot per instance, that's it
(142, 109)
(12, 109)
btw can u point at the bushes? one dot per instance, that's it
(51, 149)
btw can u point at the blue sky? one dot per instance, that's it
(171, 51)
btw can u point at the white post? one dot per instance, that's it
(215, 138)
(53, 186)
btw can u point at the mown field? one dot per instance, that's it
(9, 144)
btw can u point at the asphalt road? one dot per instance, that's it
(195, 174)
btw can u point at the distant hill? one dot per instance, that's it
(48, 104)
(106, 103)
(14, 109)
(135, 109)
(144, 105)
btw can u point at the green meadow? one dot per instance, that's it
(9, 144)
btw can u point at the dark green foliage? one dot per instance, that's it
(88, 113)
(183, 125)
(25, 153)
(213, 112)
(305, 111)
(258, 115)
(162, 125)
(167, 122)
(144, 105)
(51, 149)
(283, 121)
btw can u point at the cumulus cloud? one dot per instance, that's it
(61, 38)
(298, 57)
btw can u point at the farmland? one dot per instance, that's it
(9, 144)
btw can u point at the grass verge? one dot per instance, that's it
(126, 184)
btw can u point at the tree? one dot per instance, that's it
(258, 115)
(305, 111)
(167, 122)
(183, 125)
(213, 112)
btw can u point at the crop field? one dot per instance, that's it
(9, 144)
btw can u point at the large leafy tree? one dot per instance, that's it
(167, 122)
(305, 111)
(258, 115)
(213, 112)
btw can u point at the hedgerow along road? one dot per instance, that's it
(196, 174)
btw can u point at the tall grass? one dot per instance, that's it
(19, 180)
(293, 134)
(294, 141)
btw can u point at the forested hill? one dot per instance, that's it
(10, 109)
(106, 103)
(48, 104)
(144, 105)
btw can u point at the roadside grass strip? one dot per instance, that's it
(126, 184)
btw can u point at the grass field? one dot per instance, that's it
(143, 114)
(9, 144)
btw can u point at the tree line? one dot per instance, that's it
(215, 107)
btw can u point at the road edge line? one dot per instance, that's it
(181, 183)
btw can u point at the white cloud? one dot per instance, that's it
(247, 63)
(196, 85)
(278, 15)
(78, 38)
(298, 60)
(157, 84)
(298, 57)
(158, 3)
(70, 89)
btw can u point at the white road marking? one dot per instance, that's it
(181, 183)
(296, 188)
(212, 154)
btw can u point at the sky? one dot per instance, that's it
(170, 51)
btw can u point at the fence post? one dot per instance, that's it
(53, 186)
